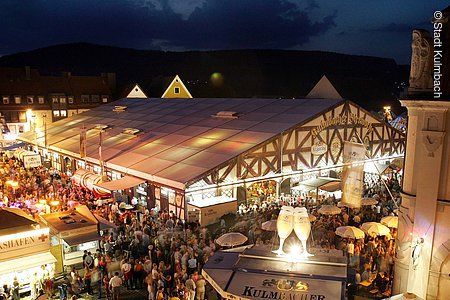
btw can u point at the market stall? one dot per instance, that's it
(90, 181)
(210, 210)
(24, 249)
(257, 273)
(72, 232)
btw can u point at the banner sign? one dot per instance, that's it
(353, 174)
(24, 243)
(32, 161)
(83, 142)
(259, 286)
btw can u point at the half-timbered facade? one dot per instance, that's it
(185, 148)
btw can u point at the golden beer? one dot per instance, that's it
(302, 226)
(285, 225)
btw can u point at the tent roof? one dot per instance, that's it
(179, 139)
(14, 217)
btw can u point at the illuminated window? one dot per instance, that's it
(17, 99)
(70, 99)
(177, 90)
(30, 99)
(5, 99)
(56, 113)
(104, 98)
(62, 99)
(63, 113)
(41, 99)
(55, 99)
(84, 98)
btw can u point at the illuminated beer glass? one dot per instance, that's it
(302, 227)
(285, 225)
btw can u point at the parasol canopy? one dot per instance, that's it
(350, 232)
(375, 228)
(390, 221)
(270, 225)
(231, 239)
(329, 210)
(368, 201)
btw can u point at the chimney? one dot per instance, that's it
(27, 73)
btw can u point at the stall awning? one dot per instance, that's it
(123, 183)
(82, 238)
(22, 263)
(104, 224)
(324, 183)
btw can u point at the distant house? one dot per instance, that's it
(29, 99)
(176, 89)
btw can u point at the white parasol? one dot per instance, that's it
(329, 210)
(368, 201)
(375, 228)
(231, 239)
(350, 232)
(390, 221)
(270, 225)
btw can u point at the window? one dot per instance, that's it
(95, 98)
(62, 99)
(5, 99)
(41, 99)
(70, 99)
(84, 98)
(17, 99)
(63, 113)
(177, 90)
(30, 99)
(104, 98)
(56, 113)
(55, 99)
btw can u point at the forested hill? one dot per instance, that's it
(370, 81)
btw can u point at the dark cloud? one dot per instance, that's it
(146, 24)
(399, 27)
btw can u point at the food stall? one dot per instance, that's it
(24, 249)
(210, 210)
(71, 233)
(257, 273)
(30, 159)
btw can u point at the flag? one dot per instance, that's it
(353, 174)
(83, 142)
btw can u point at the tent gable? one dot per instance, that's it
(324, 89)
(136, 92)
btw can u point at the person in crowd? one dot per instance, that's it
(114, 284)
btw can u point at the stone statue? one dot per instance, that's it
(420, 79)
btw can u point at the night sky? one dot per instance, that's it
(365, 27)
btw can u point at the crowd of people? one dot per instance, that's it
(159, 252)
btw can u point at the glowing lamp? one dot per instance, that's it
(54, 203)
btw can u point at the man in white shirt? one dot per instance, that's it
(115, 283)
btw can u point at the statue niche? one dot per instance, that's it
(420, 79)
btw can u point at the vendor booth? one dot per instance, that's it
(30, 159)
(210, 210)
(258, 273)
(90, 181)
(72, 232)
(24, 249)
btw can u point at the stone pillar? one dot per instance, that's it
(421, 186)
